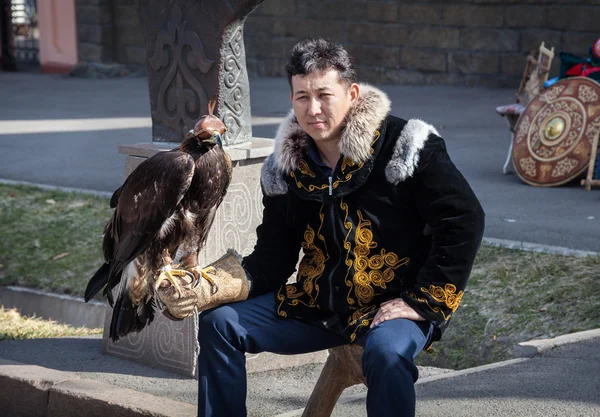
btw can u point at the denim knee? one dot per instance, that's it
(216, 323)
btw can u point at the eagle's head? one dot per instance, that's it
(209, 129)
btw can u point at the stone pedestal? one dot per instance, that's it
(173, 346)
(195, 51)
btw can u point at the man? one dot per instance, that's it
(389, 230)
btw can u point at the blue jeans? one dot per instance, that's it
(226, 333)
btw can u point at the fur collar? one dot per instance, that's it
(362, 120)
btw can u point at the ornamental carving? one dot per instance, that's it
(180, 95)
(233, 72)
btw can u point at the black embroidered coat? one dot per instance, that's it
(395, 219)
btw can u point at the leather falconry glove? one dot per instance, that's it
(224, 281)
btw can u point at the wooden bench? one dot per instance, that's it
(342, 369)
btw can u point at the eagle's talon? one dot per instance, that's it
(204, 273)
(169, 274)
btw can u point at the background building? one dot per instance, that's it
(468, 42)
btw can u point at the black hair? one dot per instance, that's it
(312, 55)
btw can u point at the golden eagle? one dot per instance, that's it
(167, 204)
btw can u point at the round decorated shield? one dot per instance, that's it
(553, 137)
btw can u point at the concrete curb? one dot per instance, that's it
(536, 247)
(58, 307)
(535, 347)
(32, 391)
(96, 193)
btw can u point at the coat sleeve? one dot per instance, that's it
(450, 208)
(277, 248)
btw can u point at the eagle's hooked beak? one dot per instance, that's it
(215, 138)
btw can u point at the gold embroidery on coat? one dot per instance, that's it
(305, 169)
(377, 136)
(446, 295)
(348, 176)
(281, 299)
(294, 295)
(313, 263)
(435, 309)
(355, 320)
(368, 269)
(347, 162)
(348, 246)
(311, 187)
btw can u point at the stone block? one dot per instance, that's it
(423, 60)
(258, 27)
(134, 54)
(380, 34)
(419, 13)
(357, 11)
(326, 10)
(88, 32)
(86, 398)
(379, 56)
(125, 15)
(578, 19)
(92, 14)
(58, 307)
(434, 37)
(521, 16)
(463, 15)
(577, 43)
(265, 47)
(308, 28)
(32, 382)
(173, 345)
(378, 11)
(489, 39)
(90, 52)
(391, 76)
(265, 67)
(363, 33)
(531, 40)
(473, 63)
(278, 8)
(129, 35)
(513, 64)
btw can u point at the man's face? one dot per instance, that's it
(321, 103)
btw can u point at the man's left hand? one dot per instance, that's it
(395, 309)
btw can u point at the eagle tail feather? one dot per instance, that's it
(97, 282)
(127, 318)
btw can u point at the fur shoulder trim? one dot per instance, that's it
(271, 178)
(364, 117)
(405, 158)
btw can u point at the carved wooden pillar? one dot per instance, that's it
(195, 51)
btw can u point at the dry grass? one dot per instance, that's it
(515, 296)
(51, 240)
(14, 326)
